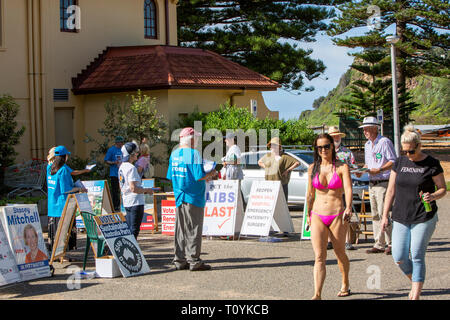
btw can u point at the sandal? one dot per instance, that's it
(342, 294)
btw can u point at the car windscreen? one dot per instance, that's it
(308, 157)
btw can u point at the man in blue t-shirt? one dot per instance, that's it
(114, 158)
(188, 180)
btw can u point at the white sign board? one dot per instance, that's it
(23, 230)
(224, 209)
(266, 208)
(122, 244)
(380, 116)
(8, 267)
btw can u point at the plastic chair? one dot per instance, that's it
(92, 236)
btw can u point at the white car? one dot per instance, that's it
(297, 183)
(299, 176)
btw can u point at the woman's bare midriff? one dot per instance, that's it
(328, 202)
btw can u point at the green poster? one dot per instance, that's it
(306, 234)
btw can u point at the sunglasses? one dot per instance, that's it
(404, 152)
(325, 147)
(413, 151)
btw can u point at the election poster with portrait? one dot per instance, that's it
(123, 244)
(23, 230)
(99, 197)
(224, 208)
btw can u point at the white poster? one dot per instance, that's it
(8, 267)
(266, 208)
(23, 229)
(123, 244)
(223, 209)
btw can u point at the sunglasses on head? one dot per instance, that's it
(326, 147)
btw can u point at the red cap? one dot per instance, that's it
(188, 132)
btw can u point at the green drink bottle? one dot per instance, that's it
(427, 205)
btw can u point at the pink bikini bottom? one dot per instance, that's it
(327, 220)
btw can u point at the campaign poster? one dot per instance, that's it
(123, 244)
(260, 208)
(221, 209)
(97, 197)
(306, 232)
(168, 212)
(8, 268)
(23, 229)
(148, 220)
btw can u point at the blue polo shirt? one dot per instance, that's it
(57, 185)
(113, 154)
(185, 169)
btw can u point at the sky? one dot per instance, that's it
(336, 60)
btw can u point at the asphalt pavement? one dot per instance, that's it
(248, 270)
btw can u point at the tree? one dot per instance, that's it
(9, 134)
(240, 120)
(135, 118)
(258, 34)
(372, 90)
(422, 48)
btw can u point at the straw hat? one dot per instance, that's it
(275, 140)
(334, 131)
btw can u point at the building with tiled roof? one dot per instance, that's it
(63, 60)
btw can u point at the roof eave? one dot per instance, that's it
(166, 87)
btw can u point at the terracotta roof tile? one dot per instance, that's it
(157, 67)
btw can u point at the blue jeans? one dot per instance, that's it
(134, 219)
(409, 245)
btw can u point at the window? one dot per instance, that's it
(150, 19)
(68, 17)
(254, 107)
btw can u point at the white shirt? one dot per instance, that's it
(233, 172)
(128, 173)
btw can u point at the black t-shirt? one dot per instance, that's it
(413, 177)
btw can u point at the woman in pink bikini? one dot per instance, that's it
(328, 180)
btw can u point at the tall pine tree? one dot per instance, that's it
(258, 34)
(421, 25)
(372, 90)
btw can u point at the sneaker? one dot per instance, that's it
(374, 250)
(349, 246)
(388, 251)
(201, 267)
(329, 246)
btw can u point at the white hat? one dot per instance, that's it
(369, 122)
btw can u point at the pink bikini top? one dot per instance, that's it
(334, 183)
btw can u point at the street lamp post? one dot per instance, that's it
(393, 40)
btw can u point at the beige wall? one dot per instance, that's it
(36, 57)
(14, 65)
(169, 103)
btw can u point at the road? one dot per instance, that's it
(249, 270)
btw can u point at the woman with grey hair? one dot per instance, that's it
(415, 183)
